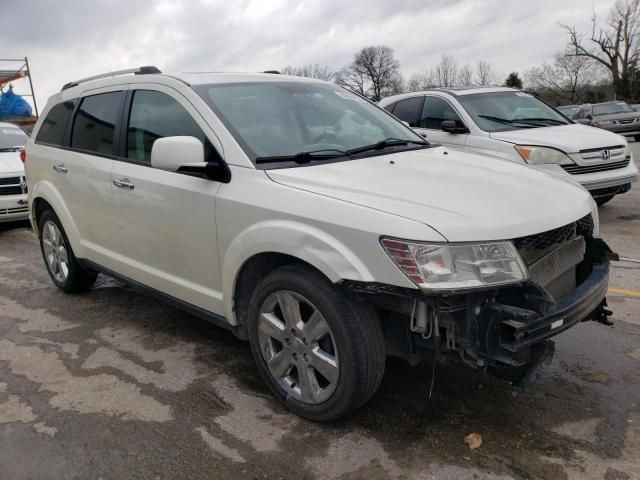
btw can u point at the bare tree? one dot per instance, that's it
(374, 72)
(422, 80)
(566, 78)
(466, 76)
(447, 71)
(485, 74)
(312, 70)
(614, 43)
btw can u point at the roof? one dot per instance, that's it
(453, 91)
(237, 77)
(8, 125)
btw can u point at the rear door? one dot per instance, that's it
(166, 219)
(435, 111)
(82, 172)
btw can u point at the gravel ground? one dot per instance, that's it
(113, 384)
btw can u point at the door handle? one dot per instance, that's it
(60, 168)
(123, 183)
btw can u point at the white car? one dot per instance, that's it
(510, 124)
(312, 223)
(13, 186)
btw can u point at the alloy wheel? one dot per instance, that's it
(55, 251)
(298, 347)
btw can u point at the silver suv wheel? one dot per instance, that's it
(298, 347)
(55, 251)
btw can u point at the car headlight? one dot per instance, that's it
(541, 155)
(457, 266)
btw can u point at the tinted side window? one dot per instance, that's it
(94, 124)
(436, 111)
(389, 108)
(156, 115)
(409, 110)
(55, 123)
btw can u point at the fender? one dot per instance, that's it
(46, 191)
(310, 244)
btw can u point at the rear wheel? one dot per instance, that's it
(62, 265)
(603, 200)
(320, 352)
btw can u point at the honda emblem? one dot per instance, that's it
(606, 154)
(23, 185)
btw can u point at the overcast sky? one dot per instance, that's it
(70, 39)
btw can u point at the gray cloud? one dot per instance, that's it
(69, 39)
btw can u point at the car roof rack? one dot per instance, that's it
(145, 70)
(276, 72)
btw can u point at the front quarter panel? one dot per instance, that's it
(256, 215)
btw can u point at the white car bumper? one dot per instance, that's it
(13, 208)
(599, 180)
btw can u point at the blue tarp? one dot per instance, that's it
(12, 105)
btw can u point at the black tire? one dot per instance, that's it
(637, 138)
(355, 328)
(603, 200)
(78, 278)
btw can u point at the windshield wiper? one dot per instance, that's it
(304, 157)
(543, 120)
(388, 142)
(506, 121)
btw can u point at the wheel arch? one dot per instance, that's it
(45, 197)
(262, 248)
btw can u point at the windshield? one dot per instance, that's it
(281, 119)
(499, 111)
(607, 108)
(12, 137)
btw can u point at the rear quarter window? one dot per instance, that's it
(55, 123)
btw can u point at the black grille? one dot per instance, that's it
(547, 239)
(10, 181)
(584, 226)
(580, 169)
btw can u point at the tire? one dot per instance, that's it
(63, 267)
(353, 347)
(637, 138)
(602, 200)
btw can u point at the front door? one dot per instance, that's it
(435, 111)
(168, 225)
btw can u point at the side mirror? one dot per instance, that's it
(186, 155)
(451, 126)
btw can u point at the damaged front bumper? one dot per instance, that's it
(504, 331)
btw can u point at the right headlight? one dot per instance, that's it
(457, 266)
(540, 155)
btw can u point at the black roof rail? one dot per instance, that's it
(145, 70)
(272, 71)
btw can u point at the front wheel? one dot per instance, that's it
(320, 352)
(61, 263)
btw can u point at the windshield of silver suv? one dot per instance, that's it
(300, 122)
(12, 138)
(613, 107)
(500, 111)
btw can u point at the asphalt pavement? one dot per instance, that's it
(113, 384)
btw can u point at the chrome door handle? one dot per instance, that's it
(60, 168)
(123, 183)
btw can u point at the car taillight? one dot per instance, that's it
(23, 156)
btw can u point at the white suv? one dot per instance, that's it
(313, 224)
(506, 123)
(13, 186)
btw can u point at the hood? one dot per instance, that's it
(568, 138)
(10, 163)
(465, 197)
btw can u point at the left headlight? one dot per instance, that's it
(540, 155)
(457, 266)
